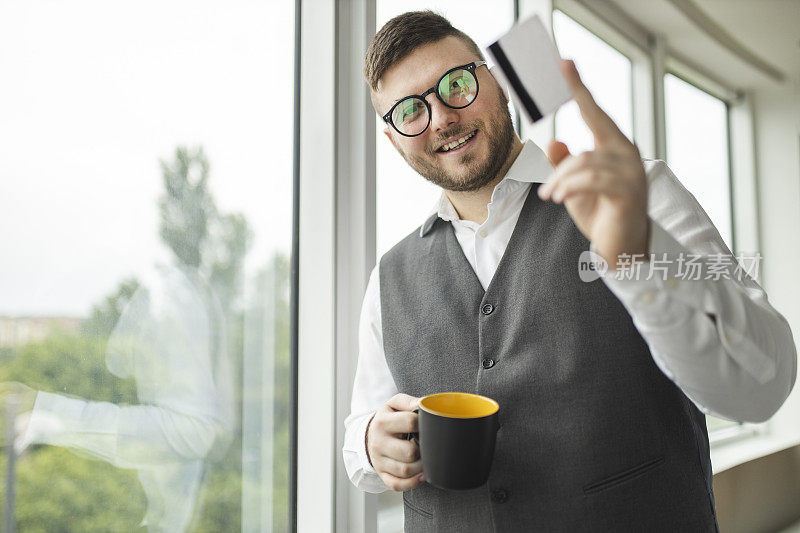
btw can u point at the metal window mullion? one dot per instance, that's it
(657, 53)
(355, 233)
(294, 269)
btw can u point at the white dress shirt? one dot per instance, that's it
(740, 365)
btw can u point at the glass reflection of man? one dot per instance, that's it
(170, 338)
(602, 385)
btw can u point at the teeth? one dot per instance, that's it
(455, 144)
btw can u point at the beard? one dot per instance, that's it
(500, 136)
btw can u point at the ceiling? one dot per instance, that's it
(767, 29)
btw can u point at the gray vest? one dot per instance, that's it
(593, 436)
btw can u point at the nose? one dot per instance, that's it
(442, 117)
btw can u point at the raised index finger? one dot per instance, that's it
(600, 124)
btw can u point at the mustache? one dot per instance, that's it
(455, 132)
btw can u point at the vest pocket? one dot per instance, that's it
(416, 508)
(623, 476)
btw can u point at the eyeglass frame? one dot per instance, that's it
(471, 67)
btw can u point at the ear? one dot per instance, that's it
(500, 79)
(389, 135)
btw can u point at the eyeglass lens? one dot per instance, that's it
(456, 89)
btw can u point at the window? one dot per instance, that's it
(697, 152)
(607, 74)
(697, 148)
(146, 194)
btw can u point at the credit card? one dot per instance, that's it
(528, 60)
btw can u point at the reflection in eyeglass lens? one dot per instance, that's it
(458, 88)
(411, 115)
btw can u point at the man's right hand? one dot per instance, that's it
(395, 459)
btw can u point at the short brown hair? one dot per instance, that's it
(404, 34)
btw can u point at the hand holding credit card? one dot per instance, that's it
(603, 190)
(529, 65)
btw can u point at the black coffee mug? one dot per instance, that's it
(457, 433)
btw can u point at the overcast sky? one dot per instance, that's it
(93, 94)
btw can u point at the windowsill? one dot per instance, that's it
(728, 454)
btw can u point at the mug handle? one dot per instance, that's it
(415, 435)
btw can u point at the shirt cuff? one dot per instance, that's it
(61, 421)
(356, 462)
(654, 290)
(361, 433)
(44, 425)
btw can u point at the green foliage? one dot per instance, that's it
(58, 491)
(68, 363)
(226, 257)
(198, 234)
(186, 205)
(104, 316)
(221, 501)
(269, 305)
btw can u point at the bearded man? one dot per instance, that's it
(602, 385)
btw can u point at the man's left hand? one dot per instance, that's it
(605, 190)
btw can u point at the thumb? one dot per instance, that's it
(557, 152)
(403, 402)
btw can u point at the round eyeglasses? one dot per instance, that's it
(457, 88)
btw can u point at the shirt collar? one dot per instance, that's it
(530, 166)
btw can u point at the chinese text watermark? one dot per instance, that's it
(682, 266)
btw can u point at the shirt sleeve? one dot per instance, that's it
(127, 436)
(717, 337)
(372, 388)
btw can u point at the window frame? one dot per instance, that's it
(314, 492)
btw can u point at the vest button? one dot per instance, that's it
(499, 496)
(487, 309)
(487, 363)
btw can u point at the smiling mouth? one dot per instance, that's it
(457, 144)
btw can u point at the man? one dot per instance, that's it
(601, 385)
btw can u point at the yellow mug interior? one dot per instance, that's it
(459, 405)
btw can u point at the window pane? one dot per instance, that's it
(697, 148)
(697, 151)
(145, 193)
(607, 74)
(404, 198)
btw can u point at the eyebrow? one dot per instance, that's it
(416, 94)
(404, 97)
(411, 94)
